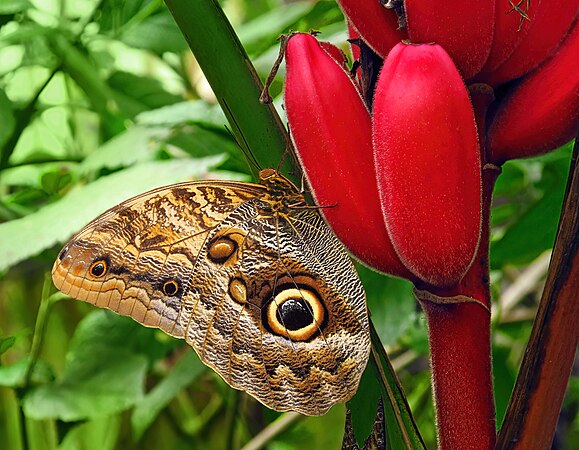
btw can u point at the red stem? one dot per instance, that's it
(459, 334)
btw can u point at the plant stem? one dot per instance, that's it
(536, 401)
(46, 303)
(274, 429)
(459, 334)
(460, 352)
(23, 118)
(257, 127)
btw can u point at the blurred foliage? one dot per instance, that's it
(101, 100)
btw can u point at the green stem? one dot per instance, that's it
(237, 86)
(46, 303)
(23, 118)
(274, 429)
(142, 14)
(394, 396)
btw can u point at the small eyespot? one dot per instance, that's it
(170, 287)
(222, 249)
(98, 268)
(238, 290)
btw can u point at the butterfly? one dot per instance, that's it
(248, 274)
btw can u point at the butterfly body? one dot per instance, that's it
(249, 276)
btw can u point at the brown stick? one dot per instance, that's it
(536, 400)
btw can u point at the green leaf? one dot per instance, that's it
(234, 81)
(194, 111)
(315, 432)
(53, 181)
(380, 379)
(390, 302)
(199, 142)
(6, 118)
(13, 6)
(101, 433)
(532, 234)
(137, 144)
(116, 14)
(109, 391)
(104, 373)
(6, 343)
(363, 405)
(504, 380)
(147, 91)
(185, 371)
(532, 231)
(401, 427)
(158, 33)
(261, 33)
(23, 238)
(513, 178)
(14, 374)
(79, 66)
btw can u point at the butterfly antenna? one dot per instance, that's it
(286, 151)
(244, 145)
(265, 98)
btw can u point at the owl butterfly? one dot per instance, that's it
(247, 274)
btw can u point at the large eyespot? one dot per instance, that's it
(98, 268)
(297, 314)
(170, 288)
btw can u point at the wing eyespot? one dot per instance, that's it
(225, 249)
(296, 313)
(98, 268)
(222, 249)
(170, 288)
(238, 290)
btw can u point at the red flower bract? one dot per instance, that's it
(427, 162)
(377, 25)
(542, 111)
(549, 24)
(464, 29)
(331, 129)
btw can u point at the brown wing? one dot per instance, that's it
(267, 297)
(278, 311)
(133, 258)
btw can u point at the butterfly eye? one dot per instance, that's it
(298, 314)
(170, 288)
(98, 268)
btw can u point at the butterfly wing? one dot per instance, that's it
(281, 313)
(136, 257)
(272, 302)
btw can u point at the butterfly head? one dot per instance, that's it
(281, 192)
